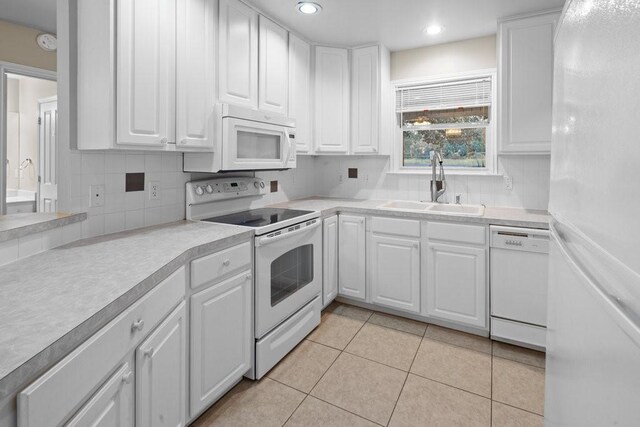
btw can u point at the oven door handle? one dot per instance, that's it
(266, 240)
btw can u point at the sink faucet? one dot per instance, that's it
(438, 182)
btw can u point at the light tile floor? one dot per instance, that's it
(361, 368)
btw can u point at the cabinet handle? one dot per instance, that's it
(164, 140)
(226, 262)
(249, 276)
(138, 325)
(126, 378)
(148, 353)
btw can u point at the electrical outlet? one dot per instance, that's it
(154, 190)
(340, 178)
(97, 195)
(508, 182)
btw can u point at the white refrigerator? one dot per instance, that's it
(593, 341)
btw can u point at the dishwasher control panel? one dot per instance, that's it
(525, 239)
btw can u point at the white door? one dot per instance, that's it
(332, 100)
(300, 91)
(112, 405)
(457, 284)
(145, 72)
(161, 371)
(273, 67)
(395, 272)
(47, 148)
(329, 260)
(352, 256)
(238, 54)
(526, 83)
(365, 100)
(196, 23)
(221, 338)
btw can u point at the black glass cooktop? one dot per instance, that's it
(258, 217)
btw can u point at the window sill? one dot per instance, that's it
(448, 172)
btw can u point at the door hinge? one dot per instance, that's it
(39, 121)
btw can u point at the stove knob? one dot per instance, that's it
(209, 189)
(256, 184)
(261, 184)
(199, 191)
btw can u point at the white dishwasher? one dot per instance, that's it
(519, 260)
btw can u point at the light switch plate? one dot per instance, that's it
(508, 182)
(97, 195)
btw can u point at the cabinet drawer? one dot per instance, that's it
(61, 390)
(212, 267)
(462, 233)
(399, 227)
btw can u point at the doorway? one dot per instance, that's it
(28, 140)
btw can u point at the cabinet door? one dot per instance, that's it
(273, 67)
(332, 100)
(195, 73)
(112, 405)
(146, 35)
(395, 272)
(526, 83)
(457, 284)
(365, 100)
(238, 54)
(352, 256)
(161, 373)
(221, 338)
(300, 91)
(329, 260)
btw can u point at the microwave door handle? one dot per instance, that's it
(286, 158)
(266, 240)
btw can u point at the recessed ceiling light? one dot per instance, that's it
(309, 8)
(433, 29)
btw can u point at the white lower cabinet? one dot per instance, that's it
(352, 256)
(221, 338)
(395, 272)
(112, 405)
(329, 260)
(161, 371)
(456, 283)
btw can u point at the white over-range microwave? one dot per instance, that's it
(247, 139)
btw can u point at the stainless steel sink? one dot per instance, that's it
(468, 210)
(405, 205)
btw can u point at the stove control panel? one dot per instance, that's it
(211, 190)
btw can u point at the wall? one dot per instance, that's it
(446, 58)
(13, 132)
(18, 45)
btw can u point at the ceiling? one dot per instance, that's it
(398, 24)
(39, 14)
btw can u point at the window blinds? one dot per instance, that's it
(441, 96)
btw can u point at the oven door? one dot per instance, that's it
(250, 145)
(288, 273)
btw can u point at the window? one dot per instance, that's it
(452, 117)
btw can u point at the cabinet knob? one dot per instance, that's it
(126, 378)
(164, 140)
(226, 262)
(148, 353)
(138, 325)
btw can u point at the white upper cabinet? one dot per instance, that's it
(145, 72)
(195, 73)
(365, 100)
(331, 100)
(352, 256)
(238, 54)
(273, 70)
(300, 91)
(525, 83)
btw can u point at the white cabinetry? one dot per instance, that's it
(329, 260)
(331, 100)
(238, 54)
(195, 73)
(221, 337)
(161, 371)
(394, 248)
(300, 91)
(456, 276)
(352, 256)
(273, 67)
(525, 83)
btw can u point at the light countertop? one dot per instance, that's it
(492, 215)
(14, 226)
(53, 301)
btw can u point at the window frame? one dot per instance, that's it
(491, 156)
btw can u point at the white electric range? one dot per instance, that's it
(287, 262)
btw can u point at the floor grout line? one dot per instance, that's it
(294, 411)
(405, 380)
(518, 361)
(346, 410)
(515, 407)
(449, 385)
